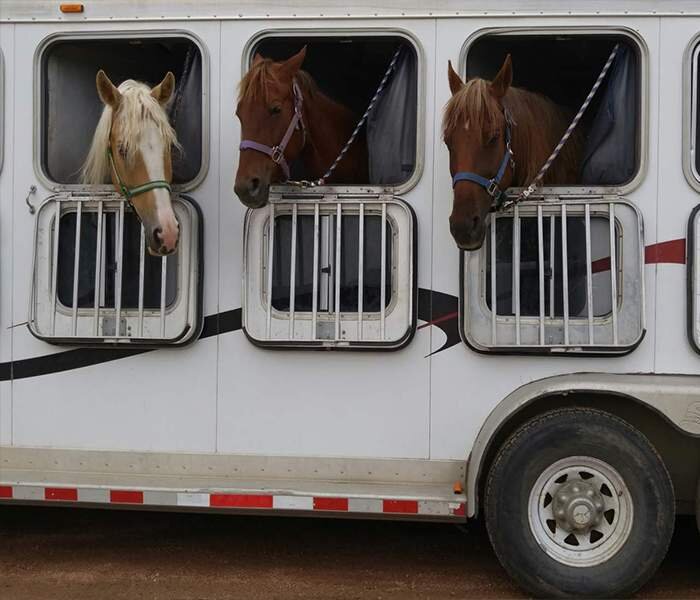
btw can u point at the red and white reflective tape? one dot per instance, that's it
(237, 501)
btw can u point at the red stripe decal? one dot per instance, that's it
(400, 506)
(461, 511)
(447, 317)
(125, 497)
(69, 494)
(5, 491)
(240, 500)
(672, 251)
(340, 504)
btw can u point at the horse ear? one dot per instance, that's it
(504, 79)
(456, 82)
(164, 90)
(108, 93)
(291, 66)
(257, 58)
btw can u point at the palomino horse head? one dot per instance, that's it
(476, 131)
(132, 144)
(269, 109)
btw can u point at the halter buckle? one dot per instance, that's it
(277, 154)
(493, 189)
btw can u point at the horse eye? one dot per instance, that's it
(493, 138)
(121, 148)
(275, 110)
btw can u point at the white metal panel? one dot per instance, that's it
(676, 197)
(466, 386)
(311, 403)
(159, 400)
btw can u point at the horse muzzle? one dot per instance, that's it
(252, 191)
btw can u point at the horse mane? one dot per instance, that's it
(136, 105)
(538, 124)
(257, 81)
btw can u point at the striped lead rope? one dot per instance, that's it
(545, 167)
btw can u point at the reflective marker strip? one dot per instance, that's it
(236, 501)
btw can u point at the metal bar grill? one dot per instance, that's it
(107, 249)
(347, 259)
(582, 237)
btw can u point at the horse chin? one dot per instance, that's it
(471, 247)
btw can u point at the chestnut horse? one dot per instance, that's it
(478, 120)
(285, 117)
(132, 144)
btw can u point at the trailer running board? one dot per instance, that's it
(425, 502)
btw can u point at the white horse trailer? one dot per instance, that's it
(334, 353)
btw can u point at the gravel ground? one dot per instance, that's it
(94, 554)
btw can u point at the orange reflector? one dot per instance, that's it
(72, 8)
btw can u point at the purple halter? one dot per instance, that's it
(276, 153)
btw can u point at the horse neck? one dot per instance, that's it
(539, 124)
(328, 126)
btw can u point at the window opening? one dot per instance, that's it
(348, 69)
(71, 106)
(611, 152)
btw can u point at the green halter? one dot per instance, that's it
(128, 192)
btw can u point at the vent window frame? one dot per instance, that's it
(625, 254)
(641, 48)
(399, 308)
(69, 325)
(125, 35)
(399, 189)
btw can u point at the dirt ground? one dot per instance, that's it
(98, 554)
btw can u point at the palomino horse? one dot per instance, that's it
(285, 117)
(499, 136)
(132, 144)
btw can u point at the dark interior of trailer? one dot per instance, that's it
(72, 108)
(349, 70)
(564, 68)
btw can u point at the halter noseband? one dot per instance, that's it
(130, 193)
(491, 186)
(276, 153)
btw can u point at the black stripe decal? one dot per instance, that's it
(431, 307)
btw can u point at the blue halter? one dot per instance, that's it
(492, 185)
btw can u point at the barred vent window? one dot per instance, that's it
(94, 281)
(329, 272)
(558, 286)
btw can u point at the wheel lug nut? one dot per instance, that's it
(575, 489)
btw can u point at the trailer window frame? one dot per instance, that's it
(691, 112)
(637, 41)
(340, 32)
(96, 35)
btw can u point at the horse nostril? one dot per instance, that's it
(476, 221)
(254, 186)
(157, 237)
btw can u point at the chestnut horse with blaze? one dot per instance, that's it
(284, 118)
(499, 136)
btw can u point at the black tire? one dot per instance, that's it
(556, 436)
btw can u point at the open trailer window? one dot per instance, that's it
(567, 276)
(330, 273)
(610, 152)
(348, 69)
(71, 107)
(694, 137)
(95, 283)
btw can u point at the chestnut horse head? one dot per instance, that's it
(132, 144)
(499, 136)
(272, 126)
(285, 117)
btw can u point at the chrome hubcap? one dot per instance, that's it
(580, 511)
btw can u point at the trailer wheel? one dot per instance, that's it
(579, 503)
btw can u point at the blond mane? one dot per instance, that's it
(537, 128)
(136, 106)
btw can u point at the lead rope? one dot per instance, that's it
(525, 194)
(360, 123)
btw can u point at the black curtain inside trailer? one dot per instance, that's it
(564, 68)
(349, 69)
(72, 106)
